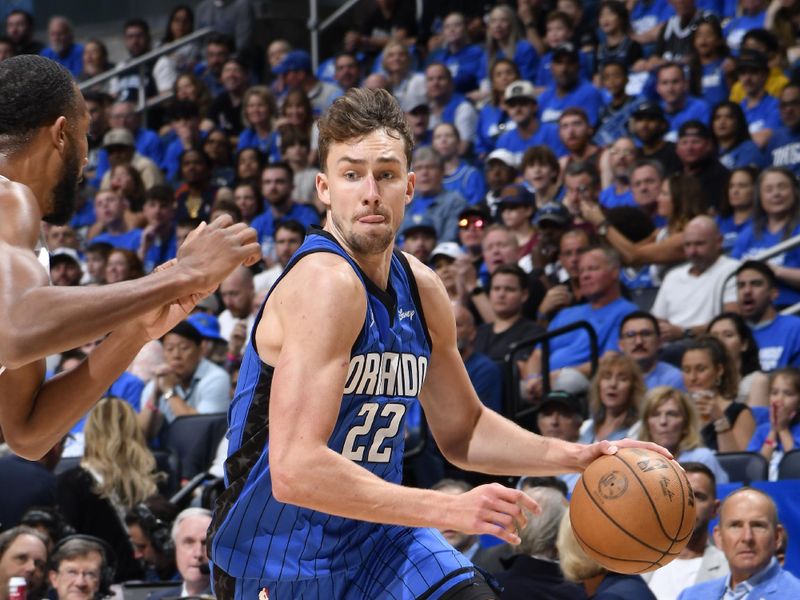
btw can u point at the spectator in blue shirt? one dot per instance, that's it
(458, 54)
(277, 184)
(735, 147)
(63, 48)
(346, 71)
(622, 155)
(736, 210)
(219, 49)
(753, 16)
(760, 109)
(614, 116)
(520, 102)
(185, 119)
(781, 432)
(784, 147)
(258, 114)
(504, 39)
(640, 339)
(459, 175)
(569, 89)
(158, 242)
(679, 107)
(449, 107)
(776, 218)
(110, 208)
(575, 133)
(778, 336)
(493, 119)
(711, 54)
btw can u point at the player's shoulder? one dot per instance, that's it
(21, 222)
(427, 280)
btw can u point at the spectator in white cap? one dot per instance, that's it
(418, 115)
(65, 267)
(501, 170)
(522, 106)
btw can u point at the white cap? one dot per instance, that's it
(450, 249)
(504, 156)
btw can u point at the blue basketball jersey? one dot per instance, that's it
(294, 551)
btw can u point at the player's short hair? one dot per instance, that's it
(358, 113)
(36, 91)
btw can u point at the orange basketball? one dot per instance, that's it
(633, 511)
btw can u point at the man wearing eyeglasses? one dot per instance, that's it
(622, 154)
(784, 147)
(76, 570)
(640, 339)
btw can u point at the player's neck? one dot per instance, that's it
(28, 170)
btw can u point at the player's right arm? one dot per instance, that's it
(37, 320)
(311, 322)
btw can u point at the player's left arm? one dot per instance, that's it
(472, 436)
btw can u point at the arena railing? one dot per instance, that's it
(141, 64)
(519, 410)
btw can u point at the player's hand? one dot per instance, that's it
(212, 251)
(592, 452)
(493, 509)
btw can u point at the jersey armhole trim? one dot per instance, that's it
(412, 282)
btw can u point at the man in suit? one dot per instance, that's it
(700, 560)
(189, 535)
(748, 533)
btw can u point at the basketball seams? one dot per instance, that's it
(650, 500)
(683, 505)
(614, 521)
(627, 560)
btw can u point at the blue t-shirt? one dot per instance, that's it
(713, 83)
(72, 58)
(525, 57)
(468, 181)
(762, 431)
(784, 149)
(492, 123)
(778, 342)
(464, 66)
(664, 374)
(646, 15)
(748, 245)
(264, 224)
(171, 165)
(764, 115)
(730, 231)
(694, 109)
(609, 197)
(737, 27)
(545, 135)
(583, 95)
(487, 380)
(129, 240)
(573, 348)
(745, 154)
(161, 251)
(128, 387)
(268, 146)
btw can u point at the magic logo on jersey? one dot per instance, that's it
(386, 374)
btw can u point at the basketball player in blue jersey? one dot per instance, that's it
(352, 335)
(43, 148)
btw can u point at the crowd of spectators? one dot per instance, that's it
(621, 164)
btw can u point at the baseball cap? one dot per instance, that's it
(694, 128)
(566, 51)
(520, 89)
(554, 213)
(207, 325)
(186, 330)
(571, 401)
(419, 223)
(648, 110)
(504, 156)
(449, 249)
(62, 254)
(475, 210)
(752, 59)
(414, 101)
(515, 195)
(296, 60)
(119, 137)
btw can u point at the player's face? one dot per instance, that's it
(667, 424)
(74, 159)
(747, 534)
(615, 389)
(366, 186)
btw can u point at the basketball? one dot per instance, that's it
(632, 511)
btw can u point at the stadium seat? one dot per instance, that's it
(744, 466)
(194, 438)
(169, 463)
(789, 467)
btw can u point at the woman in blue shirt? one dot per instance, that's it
(258, 112)
(735, 148)
(736, 208)
(493, 120)
(504, 39)
(776, 218)
(710, 60)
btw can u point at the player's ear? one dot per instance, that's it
(412, 182)
(58, 134)
(323, 191)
